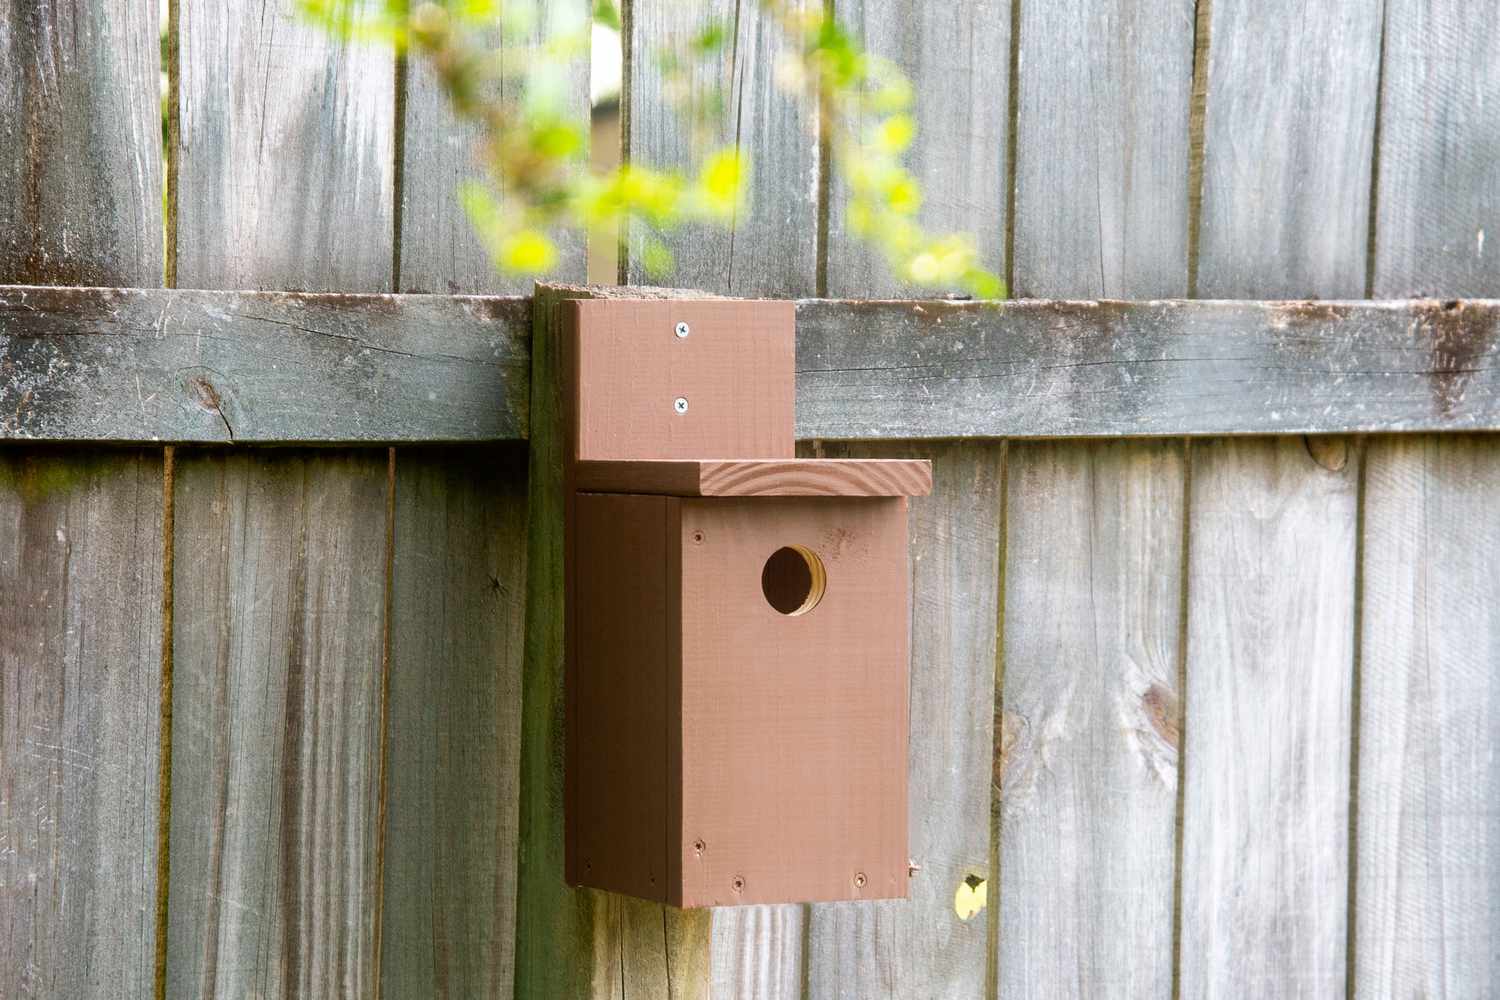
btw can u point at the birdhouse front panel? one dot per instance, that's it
(794, 625)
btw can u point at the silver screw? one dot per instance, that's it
(682, 330)
(680, 404)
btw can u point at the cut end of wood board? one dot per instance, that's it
(760, 477)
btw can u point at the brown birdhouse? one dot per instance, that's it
(738, 620)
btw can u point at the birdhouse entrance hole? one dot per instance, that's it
(793, 580)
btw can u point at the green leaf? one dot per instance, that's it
(607, 14)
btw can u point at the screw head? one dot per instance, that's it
(682, 330)
(680, 404)
(859, 880)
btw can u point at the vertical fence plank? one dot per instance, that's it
(1269, 673)
(80, 530)
(80, 144)
(1091, 721)
(286, 164)
(1288, 143)
(958, 56)
(1428, 861)
(772, 249)
(80, 676)
(923, 947)
(457, 616)
(275, 737)
(1427, 865)
(439, 249)
(454, 723)
(1271, 575)
(1102, 150)
(1090, 692)
(1436, 202)
(755, 951)
(285, 180)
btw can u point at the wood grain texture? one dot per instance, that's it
(793, 477)
(1288, 146)
(758, 952)
(1102, 150)
(80, 143)
(957, 57)
(285, 166)
(276, 738)
(1436, 200)
(1098, 369)
(454, 723)
(439, 249)
(1428, 861)
(286, 159)
(771, 249)
(288, 368)
(81, 542)
(80, 676)
(1091, 721)
(1270, 634)
(1089, 717)
(922, 947)
(1428, 854)
(260, 367)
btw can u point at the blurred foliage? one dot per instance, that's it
(504, 67)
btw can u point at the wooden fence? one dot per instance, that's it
(1203, 651)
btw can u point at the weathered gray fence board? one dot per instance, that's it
(772, 248)
(286, 162)
(1090, 696)
(440, 251)
(1428, 861)
(275, 843)
(80, 532)
(922, 947)
(1270, 635)
(1428, 854)
(1439, 177)
(278, 607)
(260, 367)
(80, 134)
(1287, 148)
(1091, 724)
(80, 684)
(1102, 154)
(289, 368)
(957, 55)
(1271, 585)
(1094, 369)
(458, 587)
(454, 729)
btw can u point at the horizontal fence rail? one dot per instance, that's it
(142, 365)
